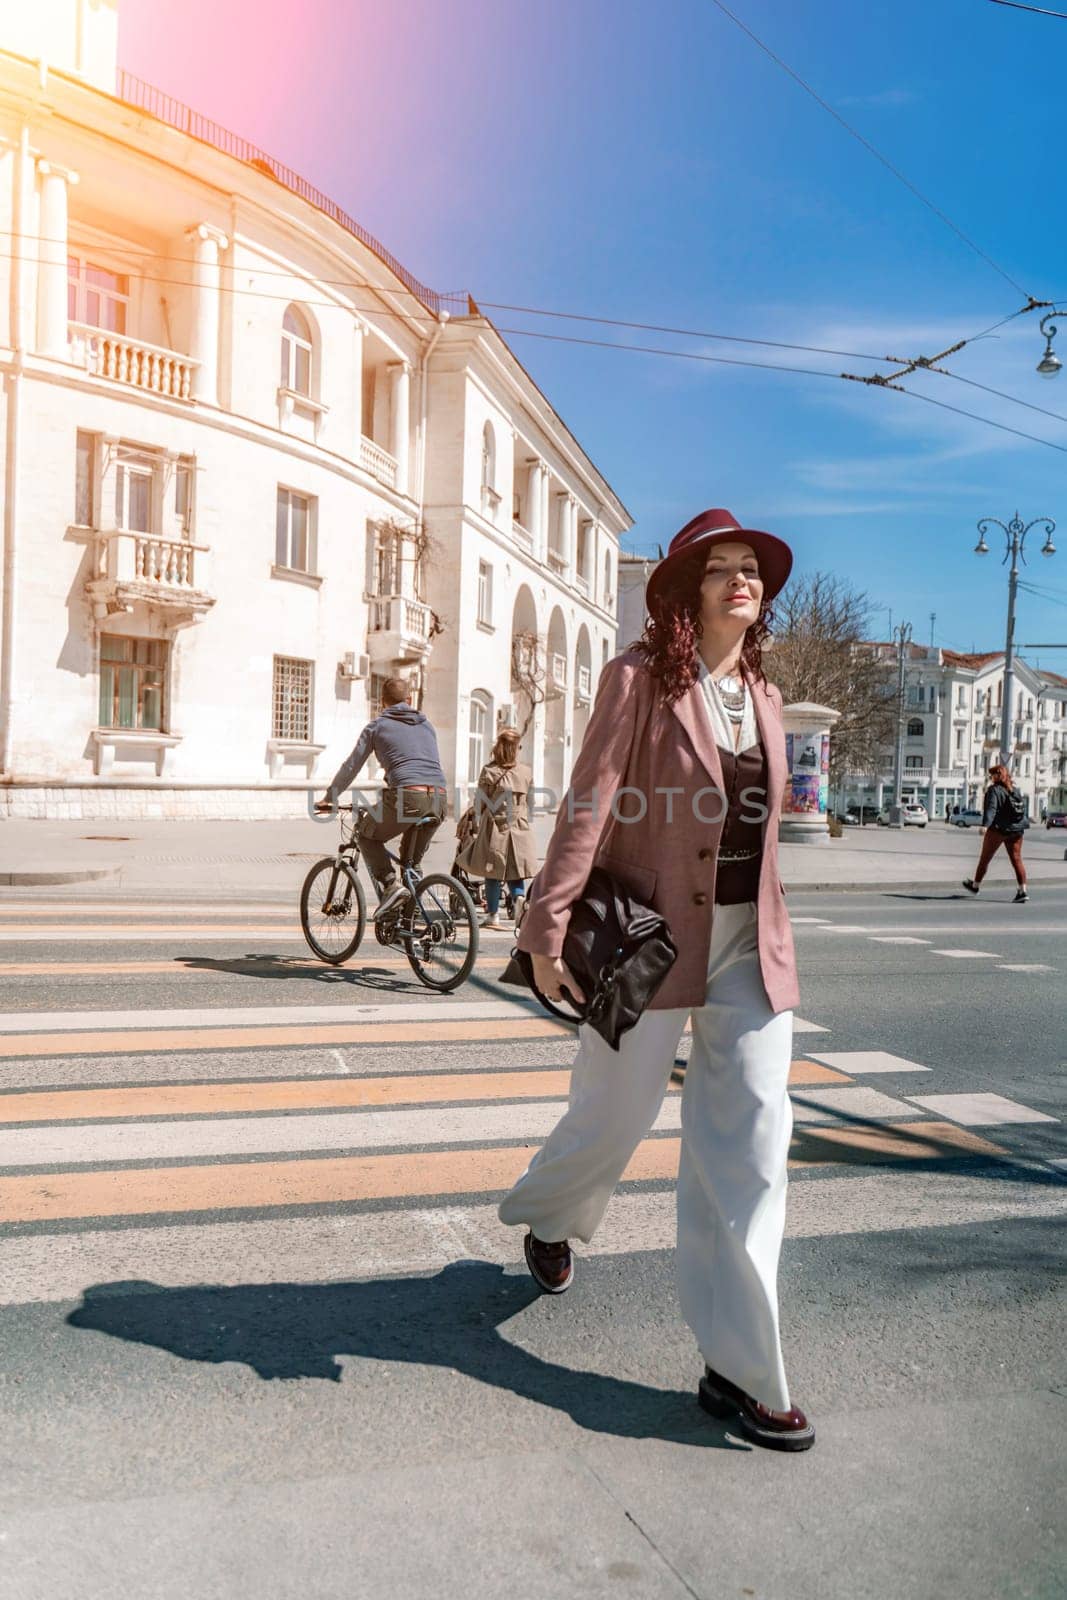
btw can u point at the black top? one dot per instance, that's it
(744, 781)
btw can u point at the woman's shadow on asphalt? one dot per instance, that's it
(452, 1320)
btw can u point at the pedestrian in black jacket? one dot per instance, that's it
(1004, 820)
(405, 744)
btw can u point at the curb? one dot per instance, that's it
(30, 878)
(888, 884)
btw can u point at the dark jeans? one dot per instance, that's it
(400, 809)
(493, 887)
(1013, 844)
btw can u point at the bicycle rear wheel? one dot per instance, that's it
(333, 911)
(440, 933)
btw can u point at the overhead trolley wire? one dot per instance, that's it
(871, 148)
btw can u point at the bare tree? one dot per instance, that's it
(528, 673)
(818, 654)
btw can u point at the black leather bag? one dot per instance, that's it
(618, 949)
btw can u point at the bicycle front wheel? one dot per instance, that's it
(440, 933)
(333, 911)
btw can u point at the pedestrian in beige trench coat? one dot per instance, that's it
(676, 792)
(502, 848)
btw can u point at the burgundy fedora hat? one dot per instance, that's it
(719, 527)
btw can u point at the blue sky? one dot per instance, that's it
(648, 162)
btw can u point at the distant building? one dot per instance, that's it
(251, 468)
(634, 573)
(953, 705)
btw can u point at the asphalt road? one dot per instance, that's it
(262, 1334)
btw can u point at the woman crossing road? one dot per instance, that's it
(686, 726)
(1005, 821)
(501, 848)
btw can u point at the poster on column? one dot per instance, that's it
(808, 759)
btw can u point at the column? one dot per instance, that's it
(805, 801)
(546, 511)
(571, 547)
(400, 376)
(358, 336)
(533, 504)
(52, 334)
(204, 344)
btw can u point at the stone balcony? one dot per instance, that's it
(378, 462)
(138, 567)
(399, 630)
(132, 362)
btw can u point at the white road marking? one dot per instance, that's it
(842, 927)
(815, 920)
(858, 1062)
(967, 955)
(446, 1009)
(282, 1133)
(441, 1010)
(104, 934)
(837, 1105)
(1023, 966)
(896, 938)
(979, 1110)
(318, 1249)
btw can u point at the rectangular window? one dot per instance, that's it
(913, 761)
(485, 592)
(96, 296)
(294, 533)
(133, 682)
(959, 739)
(291, 713)
(85, 480)
(134, 477)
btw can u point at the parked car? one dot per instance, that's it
(1056, 819)
(915, 815)
(967, 819)
(856, 815)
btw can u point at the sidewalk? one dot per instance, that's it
(269, 859)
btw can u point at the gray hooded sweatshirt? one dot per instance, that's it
(405, 745)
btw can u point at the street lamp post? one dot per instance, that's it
(903, 638)
(1014, 533)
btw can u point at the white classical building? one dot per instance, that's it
(953, 704)
(251, 467)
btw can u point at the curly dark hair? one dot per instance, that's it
(671, 634)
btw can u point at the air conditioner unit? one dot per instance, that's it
(353, 666)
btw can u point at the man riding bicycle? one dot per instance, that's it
(405, 745)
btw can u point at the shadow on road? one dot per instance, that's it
(452, 1320)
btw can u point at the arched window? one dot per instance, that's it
(916, 728)
(480, 724)
(296, 351)
(490, 492)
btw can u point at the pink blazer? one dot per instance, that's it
(667, 854)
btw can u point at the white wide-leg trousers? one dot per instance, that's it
(736, 1126)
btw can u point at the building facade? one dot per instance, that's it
(953, 706)
(251, 468)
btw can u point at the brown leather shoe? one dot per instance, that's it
(551, 1265)
(775, 1430)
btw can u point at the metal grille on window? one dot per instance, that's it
(292, 699)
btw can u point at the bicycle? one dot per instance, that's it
(436, 927)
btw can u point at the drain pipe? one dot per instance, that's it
(424, 409)
(11, 473)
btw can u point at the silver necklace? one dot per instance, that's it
(730, 689)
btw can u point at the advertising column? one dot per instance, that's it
(805, 803)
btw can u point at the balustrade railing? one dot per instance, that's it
(142, 558)
(378, 462)
(132, 361)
